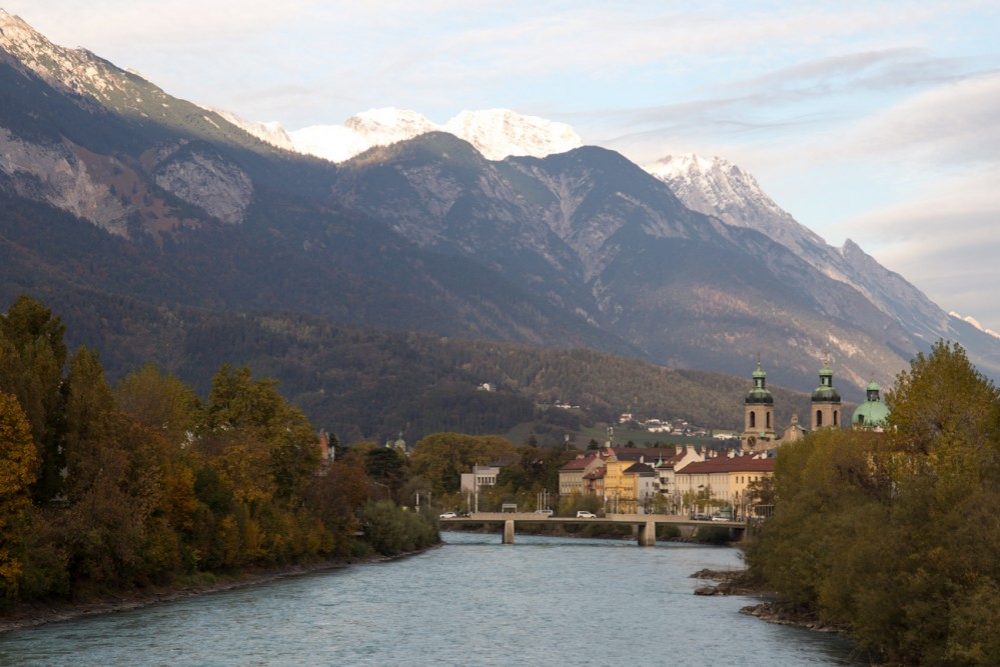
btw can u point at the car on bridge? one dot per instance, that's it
(700, 517)
(584, 514)
(545, 512)
(448, 515)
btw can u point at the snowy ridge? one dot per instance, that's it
(496, 133)
(272, 132)
(715, 186)
(969, 319)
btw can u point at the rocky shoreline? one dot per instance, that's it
(780, 615)
(33, 614)
(738, 582)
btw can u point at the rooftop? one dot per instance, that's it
(726, 464)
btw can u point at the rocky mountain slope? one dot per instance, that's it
(594, 234)
(717, 187)
(107, 181)
(111, 186)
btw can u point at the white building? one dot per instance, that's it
(479, 477)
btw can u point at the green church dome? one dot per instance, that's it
(825, 393)
(759, 395)
(873, 412)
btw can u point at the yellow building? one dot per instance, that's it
(619, 488)
(723, 479)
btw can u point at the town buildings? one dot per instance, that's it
(695, 479)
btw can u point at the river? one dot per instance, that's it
(542, 601)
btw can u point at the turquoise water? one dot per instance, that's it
(542, 601)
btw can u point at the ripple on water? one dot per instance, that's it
(541, 601)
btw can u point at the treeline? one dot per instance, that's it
(896, 535)
(107, 488)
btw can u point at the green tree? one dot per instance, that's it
(160, 402)
(442, 457)
(894, 535)
(238, 402)
(386, 466)
(32, 359)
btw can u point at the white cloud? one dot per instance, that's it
(945, 241)
(958, 122)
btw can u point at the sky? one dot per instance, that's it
(875, 121)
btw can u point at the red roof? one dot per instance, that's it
(596, 474)
(578, 463)
(726, 464)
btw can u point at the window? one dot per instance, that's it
(753, 419)
(819, 418)
(835, 417)
(861, 419)
(768, 420)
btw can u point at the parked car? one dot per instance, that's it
(700, 517)
(719, 517)
(584, 514)
(545, 512)
(448, 515)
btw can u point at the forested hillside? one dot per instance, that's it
(374, 384)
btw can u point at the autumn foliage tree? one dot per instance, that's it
(109, 488)
(18, 468)
(895, 535)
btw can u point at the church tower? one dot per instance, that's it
(826, 411)
(758, 413)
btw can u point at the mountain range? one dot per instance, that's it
(495, 226)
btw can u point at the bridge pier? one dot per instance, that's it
(508, 531)
(647, 534)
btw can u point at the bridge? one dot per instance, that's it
(646, 523)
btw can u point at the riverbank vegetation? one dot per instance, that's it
(894, 536)
(108, 489)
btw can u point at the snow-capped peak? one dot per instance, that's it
(969, 319)
(270, 132)
(389, 125)
(375, 127)
(497, 133)
(712, 185)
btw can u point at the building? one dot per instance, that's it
(572, 472)
(793, 432)
(399, 444)
(619, 490)
(665, 472)
(646, 486)
(479, 477)
(873, 413)
(723, 479)
(593, 482)
(758, 413)
(826, 409)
